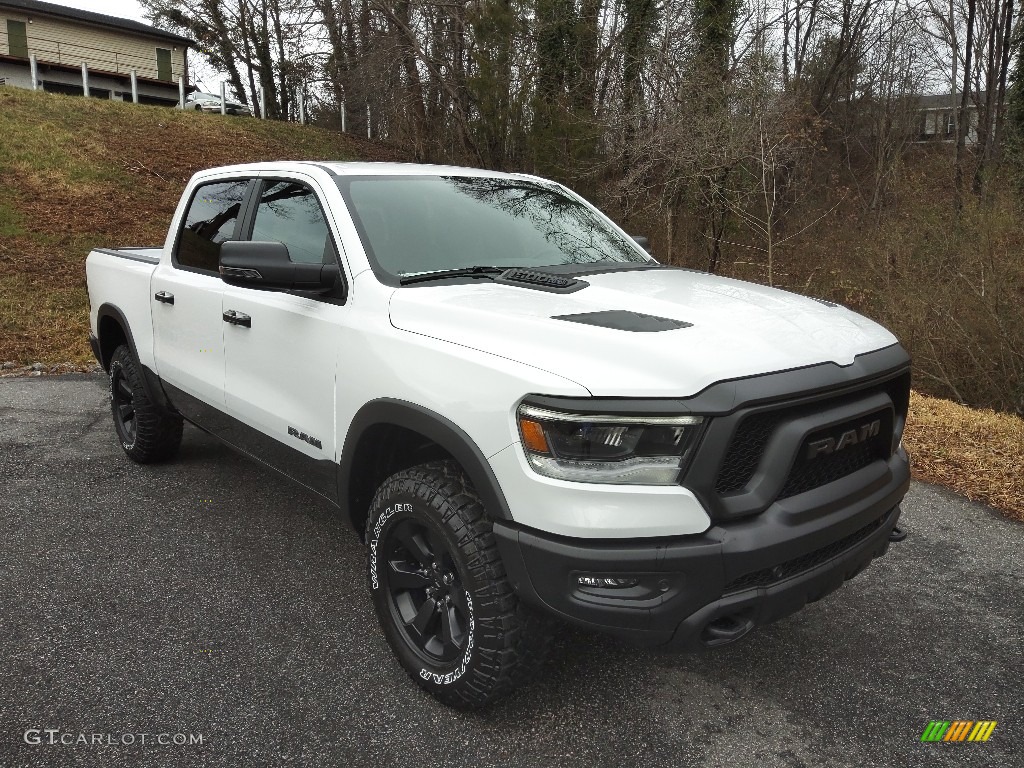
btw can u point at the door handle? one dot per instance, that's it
(164, 297)
(237, 318)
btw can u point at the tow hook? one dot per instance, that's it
(897, 534)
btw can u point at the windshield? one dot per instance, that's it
(411, 225)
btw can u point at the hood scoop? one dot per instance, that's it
(542, 281)
(621, 320)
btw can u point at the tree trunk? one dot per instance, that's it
(243, 23)
(964, 118)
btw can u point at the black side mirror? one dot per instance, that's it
(266, 265)
(643, 242)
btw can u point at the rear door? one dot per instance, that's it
(280, 369)
(186, 297)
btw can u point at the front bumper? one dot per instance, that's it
(714, 587)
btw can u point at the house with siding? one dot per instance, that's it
(936, 117)
(61, 40)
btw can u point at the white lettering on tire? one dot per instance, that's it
(388, 514)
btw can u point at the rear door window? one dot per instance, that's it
(211, 219)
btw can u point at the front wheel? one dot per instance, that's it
(440, 590)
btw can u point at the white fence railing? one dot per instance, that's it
(49, 51)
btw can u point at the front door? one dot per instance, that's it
(281, 357)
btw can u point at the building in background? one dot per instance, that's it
(936, 121)
(63, 39)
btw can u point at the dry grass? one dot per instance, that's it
(977, 453)
(80, 173)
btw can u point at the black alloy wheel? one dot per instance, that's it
(440, 591)
(425, 593)
(123, 406)
(147, 431)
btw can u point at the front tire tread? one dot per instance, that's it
(512, 640)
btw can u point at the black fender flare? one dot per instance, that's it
(110, 310)
(441, 430)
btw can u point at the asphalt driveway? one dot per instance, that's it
(209, 598)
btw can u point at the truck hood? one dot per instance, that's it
(735, 329)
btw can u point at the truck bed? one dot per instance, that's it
(120, 277)
(147, 253)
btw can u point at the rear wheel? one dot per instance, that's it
(440, 591)
(147, 432)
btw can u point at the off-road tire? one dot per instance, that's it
(506, 642)
(156, 433)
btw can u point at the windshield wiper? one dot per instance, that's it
(445, 273)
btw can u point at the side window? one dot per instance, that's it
(289, 213)
(210, 220)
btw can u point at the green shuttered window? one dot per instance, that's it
(163, 63)
(17, 38)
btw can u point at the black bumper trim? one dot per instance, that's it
(764, 605)
(769, 577)
(685, 583)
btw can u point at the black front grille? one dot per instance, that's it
(813, 471)
(766, 577)
(751, 438)
(745, 450)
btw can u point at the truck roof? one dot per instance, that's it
(339, 168)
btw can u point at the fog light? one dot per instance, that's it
(604, 582)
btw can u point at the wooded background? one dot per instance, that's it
(773, 140)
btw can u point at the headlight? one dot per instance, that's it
(634, 450)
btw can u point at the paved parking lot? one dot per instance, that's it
(210, 597)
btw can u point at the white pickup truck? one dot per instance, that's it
(523, 414)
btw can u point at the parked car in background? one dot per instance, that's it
(209, 102)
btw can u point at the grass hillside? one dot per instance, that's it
(80, 173)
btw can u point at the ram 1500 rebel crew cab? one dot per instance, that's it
(523, 414)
